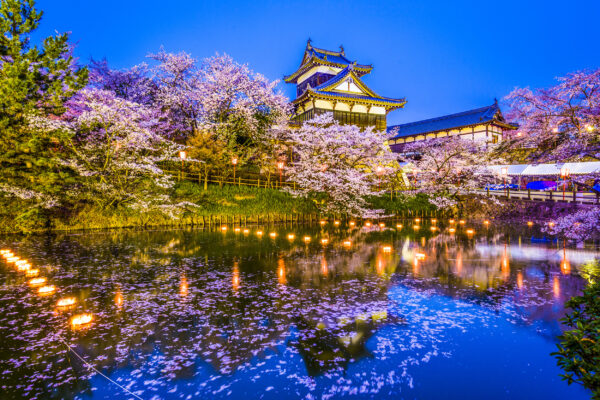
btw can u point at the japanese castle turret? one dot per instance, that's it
(327, 81)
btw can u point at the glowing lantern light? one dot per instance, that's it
(119, 299)
(416, 227)
(420, 256)
(324, 241)
(462, 222)
(347, 243)
(20, 262)
(322, 222)
(81, 320)
(486, 222)
(551, 224)
(336, 223)
(31, 273)
(273, 235)
(23, 267)
(12, 259)
(46, 290)
(259, 233)
(224, 228)
(237, 230)
(417, 220)
(452, 230)
(529, 223)
(556, 287)
(470, 231)
(66, 302)
(387, 249)
(37, 282)
(565, 267)
(4, 251)
(352, 223)
(246, 231)
(451, 221)
(306, 239)
(433, 228)
(381, 225)
(291, 236)
(399, 226)
(520, 280)
(367, 224)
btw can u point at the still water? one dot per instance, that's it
(319, 312)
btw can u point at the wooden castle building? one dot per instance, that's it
(327, 81)
(485, 124)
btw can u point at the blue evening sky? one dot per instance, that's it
(443, 56)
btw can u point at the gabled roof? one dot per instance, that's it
(477, 116)
(314, 57)
(327, 90)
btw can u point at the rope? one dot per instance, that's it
(90, 366)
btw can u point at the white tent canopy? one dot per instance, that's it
(578, 168)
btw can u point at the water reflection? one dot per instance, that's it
(221, 310)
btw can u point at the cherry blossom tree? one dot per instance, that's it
(561, 123)
(337, 165)
(447, 168)
(116, 148)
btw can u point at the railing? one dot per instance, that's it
(537, 195)
(244, 180)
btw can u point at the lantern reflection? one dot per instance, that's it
(520, 280)
(32, 273)
(556, 287)
(380, 265)
(183, 286)
(46, 290)
(235, 277)
(324, 266)
(281, 271)
(119, 298)
(37, 282)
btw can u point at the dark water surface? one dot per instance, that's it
(392, 313)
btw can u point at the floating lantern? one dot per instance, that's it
(420, 256)
(4, 251)
(324, 241)
(37, 281)
(246, 231)
(23, 267)
(530, 223)
(306, 239)
(452, 230)
(486, 222)
(352, 223)
(551, 224)
(417, 220)
(433, 229)
(399, 226)
(336, 223)
(347, 243)
(12, 259)
(367, 224)
(81, 320)
(237, 230)
(20, 262)
(259, 233)
(462, 222)
(46, 290)
(416, 227)
(433, 220)
(322, 222)
(273, 235)
(291, 236)
(387, 249)
(451, 221)
(470, 231)
(224, 228)
(381, 225)
(31, 273)
(66, 302)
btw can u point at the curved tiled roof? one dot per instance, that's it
(466, 118)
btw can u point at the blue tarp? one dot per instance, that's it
(541, 185)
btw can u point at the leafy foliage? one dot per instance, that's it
(579, 348)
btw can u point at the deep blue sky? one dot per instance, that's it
(443, 56)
